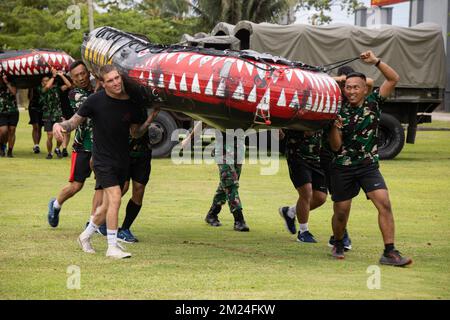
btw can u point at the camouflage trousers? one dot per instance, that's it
(228, 187)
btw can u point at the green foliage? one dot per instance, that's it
(36, 24)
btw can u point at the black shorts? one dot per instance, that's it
(140, 169)
(347, 181)
(80, 168)
(301, 174)
(107, 176)
(67, 112)
(48, 125)
(9, 119)
(325, 165)
(35, 117)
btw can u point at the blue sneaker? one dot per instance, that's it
(347, 241)
(125, 235)
(53, 213)
(288, 221)
(306, 237)
(101, 230)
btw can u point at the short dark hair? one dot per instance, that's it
(76, 64)
(357, 75)
(345, 70)
(107, 68)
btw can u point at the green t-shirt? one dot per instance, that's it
(304, 147)
(360, 132)
(51, 104)
(83, 133)
(7, 101)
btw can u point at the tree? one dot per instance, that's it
(324, 6)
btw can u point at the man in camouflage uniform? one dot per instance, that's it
(80, 168)
(9, 116)
(139, 173)
(354, 138)
(229, 155)
(49, 98)
(303, 159)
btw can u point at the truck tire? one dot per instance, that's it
(160, 133)
(391, 137)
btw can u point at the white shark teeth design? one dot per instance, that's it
(216, 59)
(150, 79)
(141, 76)
(220, 92)
(194, 58)
(209, 86)
(59, 58)
(264, 104)
(261, 70)
(195, 84)
(24, 62)
(183, 85)
(5, 65)
(29, 72)
(30, 61)
(161, 81)
(47, 70)
(35, 71)
(66, 59)
(52, 57)
(309, 103)
(181, 56)
(11, 64)
(239, 64)
(170, 56)
(172, 84)
(282, 100)
(204, 60)
(239, 93)
(252, 95)
(327, 104)
(249, 67)
(295, 103)
(162, 56)
(45, 55)
(17, 64)
(299, 75)
(288, 73)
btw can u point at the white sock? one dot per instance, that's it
(112, 237)
(56, 204)
(292, 212)
(90, 229)
(303, 227)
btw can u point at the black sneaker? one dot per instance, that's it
(338, 250)
(36, 149)
(49, 156)
(347, 241)
(393, 258)
(212, 219)
(9, 154)
(241, 226)
(58, 153)
(288, 221)
(65, 153)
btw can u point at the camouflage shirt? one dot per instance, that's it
(7, 101)
(83, 133)
(360, 132)
(140, 147)
(51, 104)
(304, 147)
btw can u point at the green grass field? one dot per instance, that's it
(180, 257)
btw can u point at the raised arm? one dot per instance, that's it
(10, 87)
(137, 130)
(335, 136)
(67, 85)
(67, 126)
(391, 76)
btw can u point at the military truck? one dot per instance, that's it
(416, 53)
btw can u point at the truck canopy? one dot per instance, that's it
(416, 53)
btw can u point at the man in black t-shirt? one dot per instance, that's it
(114, 117)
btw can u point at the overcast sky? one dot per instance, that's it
(400, 14)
